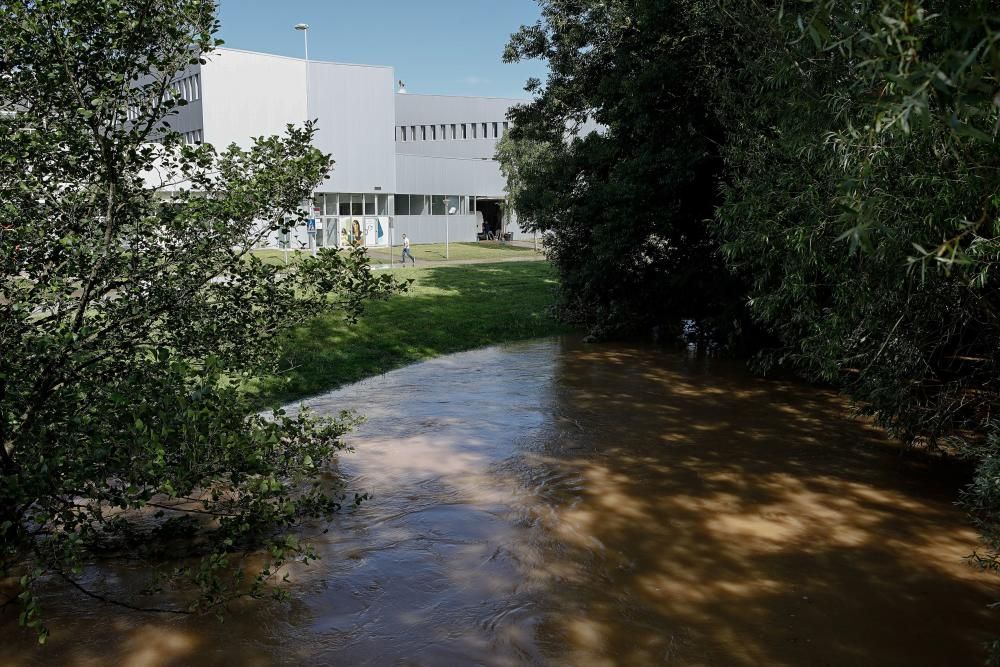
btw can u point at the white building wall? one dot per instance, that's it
(435, 228)
(449, 165)
(247, 95)
(417, 174)
(354, 107)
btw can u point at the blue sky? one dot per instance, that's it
(448, 47)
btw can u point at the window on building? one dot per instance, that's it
(382, 203)
(403, 132)
(473, 130)
(357, 205)
(451, 205)
(434, 134)
(197, 86)
(418, 204)
(413, 133)
(402, 204)
(369, 204)
(454, 131)
(506, 126)
(329, 204)
(437, 204)
(496, 129)
(344, 205)
(465, 131)
(423, 133)
(484, 131)
(444, 134)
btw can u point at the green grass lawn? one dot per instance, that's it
(447, 309)
(277, 257)
(424, 252)
(434, 252)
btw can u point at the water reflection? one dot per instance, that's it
(555, 503)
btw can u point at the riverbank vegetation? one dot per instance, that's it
(129, 320)
(813, 184)
(445, 309)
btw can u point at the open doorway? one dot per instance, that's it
(489, 217)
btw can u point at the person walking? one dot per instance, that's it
(406, 251)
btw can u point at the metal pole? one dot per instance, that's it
(304, 27)
(447, 225)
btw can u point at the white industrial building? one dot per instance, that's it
(422, 165)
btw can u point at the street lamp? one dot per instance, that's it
(448, 211)
(304, 29)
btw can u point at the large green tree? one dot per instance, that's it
(861, 195)
(131, 315)
(616, 161)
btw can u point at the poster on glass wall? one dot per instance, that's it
(376, 231)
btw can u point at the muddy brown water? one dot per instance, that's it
(559, 503)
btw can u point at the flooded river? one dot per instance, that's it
(568, 504)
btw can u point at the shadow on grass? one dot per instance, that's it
(448, 309)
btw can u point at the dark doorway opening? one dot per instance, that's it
(489, 212)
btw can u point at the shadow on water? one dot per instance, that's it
(555, 503)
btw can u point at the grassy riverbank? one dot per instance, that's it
(447, 309)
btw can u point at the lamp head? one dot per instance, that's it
(301, 26)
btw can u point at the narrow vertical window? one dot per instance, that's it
(484, 131)
(473, 130)
(434, 134)
(413, 133)
(197, 86)
(444, 135)
(423, 133)
(403, 132)
(454, 133)
(496, 127)
(506, 126)
(465, 131)
(402, 204)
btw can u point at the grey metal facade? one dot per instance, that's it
(383, 142)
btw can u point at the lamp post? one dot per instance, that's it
(448, 212)
(304, 29)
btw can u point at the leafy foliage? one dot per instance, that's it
(617, 162)
(130, 316)
(834, 165)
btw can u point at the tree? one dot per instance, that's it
(861, 195)
(617, 161)
(132, 318)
